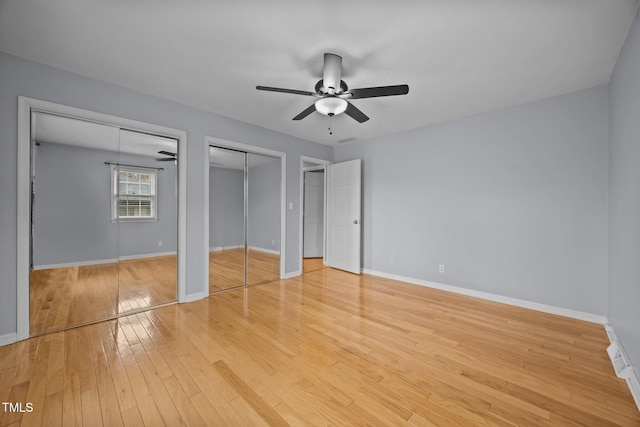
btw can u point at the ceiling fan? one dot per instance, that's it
(171, 157)
(333, 92)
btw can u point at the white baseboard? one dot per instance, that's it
(292, 274)
(255, 248)
(589, 317)
(634, 386)
(7, 339)
(194, 297)
(225, 248)
(140, 256)
(101, 261)
(75, 264)
(269, 251)
(622, 364)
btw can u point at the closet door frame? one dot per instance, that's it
(249, 149)
(25, 107)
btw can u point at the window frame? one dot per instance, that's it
(115, 193)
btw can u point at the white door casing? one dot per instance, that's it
(343, 215)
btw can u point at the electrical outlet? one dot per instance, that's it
(441, 268)
(159, 242)
(392, 260)
(273, 242)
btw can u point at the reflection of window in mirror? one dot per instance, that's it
(133, 194)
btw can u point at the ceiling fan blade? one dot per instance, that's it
(356, 114)
(167, 153)
(373, 92)
(278, 89)
(305, 113)
(331, 73)
(166, 159)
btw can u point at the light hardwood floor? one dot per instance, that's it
(326, 348)
(226, 268)
(68, 296)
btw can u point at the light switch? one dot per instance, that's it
(290, 206)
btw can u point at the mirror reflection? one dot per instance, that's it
(263, 218)
(244, 218)
(104, 237)
(226, 219)
(144, 204)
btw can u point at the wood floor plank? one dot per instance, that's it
(52, 410)
(248, 395)
(184, 405)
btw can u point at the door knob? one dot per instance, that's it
(355, 221)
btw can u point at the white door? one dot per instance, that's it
(313, 214)
(343, 215)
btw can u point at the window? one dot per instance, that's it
(133, 194)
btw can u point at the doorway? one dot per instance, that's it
(313, 213)
(104, 202)
(341, 229)
(246, 211)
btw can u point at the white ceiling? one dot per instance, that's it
(459, 57)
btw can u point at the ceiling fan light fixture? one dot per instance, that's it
(331, 106)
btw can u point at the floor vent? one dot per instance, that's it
(620, 365)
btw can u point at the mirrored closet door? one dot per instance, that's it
(104, 222)
(263, 218)
(227, 254)
(144, 204)
(244, 218)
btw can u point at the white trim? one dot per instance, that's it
(574, 314)
(634, 386)
(7, 339)
(622, 364)
(102, 261)
(265, 250)
(25, 107)
(75, 264)
(210, 140)
(224, 248)
(196, 296)
(293, 274)
(321, 164)
(205, 228)
(23, 227)
(151, 255)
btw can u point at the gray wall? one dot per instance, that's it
(264, 206)
(226, 207)
(512, 202)
(624, 197)
(72, 208)
(22, 77)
